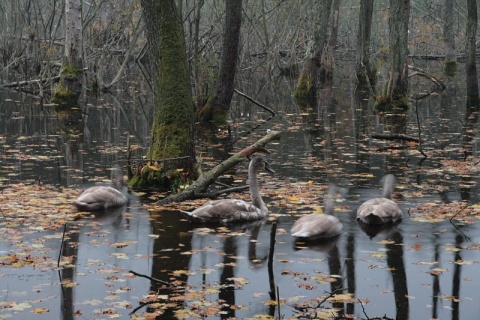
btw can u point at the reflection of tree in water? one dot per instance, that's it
(396, 266)
(457, 271)
(330, 247)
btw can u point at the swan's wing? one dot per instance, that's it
(379, 210)
(100, 197)
(315, 226)
(227, 210)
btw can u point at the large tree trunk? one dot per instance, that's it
(450, 64)
(395, 96)
(217, 106)
(309, 77)
(69, 88)
(365, 74)
(172, 130)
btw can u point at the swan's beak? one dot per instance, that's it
(267, 167)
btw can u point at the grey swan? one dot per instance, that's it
(103, 197)
(319, 226)
(233, 210)
(381, 210)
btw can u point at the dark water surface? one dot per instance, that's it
(417, 270)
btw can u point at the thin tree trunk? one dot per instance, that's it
(328, 57)
(216, 109)
(69, 88)
(470, 51)
(309, 77)
(365, 74)
(450, 64)
(396, 91)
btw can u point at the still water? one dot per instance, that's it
(420, 269)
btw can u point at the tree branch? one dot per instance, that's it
(206, 179)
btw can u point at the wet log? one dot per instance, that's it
(400, 136)
(206, 179)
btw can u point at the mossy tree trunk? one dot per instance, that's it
(69, 88)
(450, 64)
(364, 70)
(217, 106)
(395, 95)
(172, 129)
(310, 75)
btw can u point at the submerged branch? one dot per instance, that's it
(395, 137)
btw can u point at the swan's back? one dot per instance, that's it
(381, 210)
(227, 210)
(319, 226)
(102, 197)
(231, 210)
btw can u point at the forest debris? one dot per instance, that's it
(206, 179)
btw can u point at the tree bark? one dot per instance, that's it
(206, 179)
(450, 64)
(365, 74)
(217, 106)
(395, 97)
(470, 51)
(172, 129)
(309, 77)
(69, 88)
(328, 57)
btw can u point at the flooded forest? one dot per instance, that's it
(339, 139)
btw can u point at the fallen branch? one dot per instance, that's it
(150, 278)
(395, 137)
(214, 195)
(206, 179)
(255, 102)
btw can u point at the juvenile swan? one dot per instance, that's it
(381, 210)
(100, 197)
(319, 226)
(231, 210)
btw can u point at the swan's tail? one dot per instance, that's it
(388, 184)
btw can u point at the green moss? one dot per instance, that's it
(384, 103)
(157, 179)
(70, 71)
(450, 68)
(305, 88)
(64, 97)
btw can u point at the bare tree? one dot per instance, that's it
(365, 74)
(450, 65)
(470, 54)
(395, 94)
(309, 77)
(217, 106)
(71, 75)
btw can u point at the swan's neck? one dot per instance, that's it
(329, 207)
(257, 200)
(388, 184)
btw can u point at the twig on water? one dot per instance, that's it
(459, 230)
(150, 278)
(61, 245)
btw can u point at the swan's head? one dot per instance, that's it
(259, 163)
